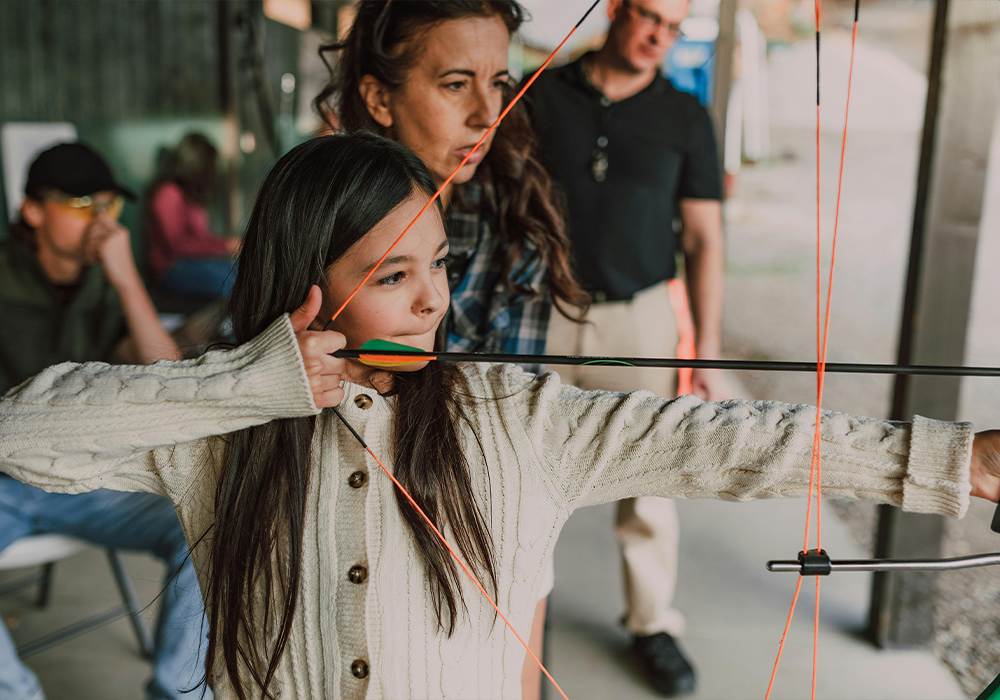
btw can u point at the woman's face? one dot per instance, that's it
(406, 298)
(453, 93)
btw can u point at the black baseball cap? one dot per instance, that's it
(73, 168)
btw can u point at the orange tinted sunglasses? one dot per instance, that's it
(89, 207)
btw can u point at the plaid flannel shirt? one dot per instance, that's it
(485, 315)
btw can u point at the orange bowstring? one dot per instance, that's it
(822, 338)
(465, 160)
(434, 197)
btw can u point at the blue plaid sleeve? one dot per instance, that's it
(487, 316)
(528, 323)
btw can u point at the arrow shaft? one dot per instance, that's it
(837, 367)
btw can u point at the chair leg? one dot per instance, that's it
(124, 582)
(45, 585)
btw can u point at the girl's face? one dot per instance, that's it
(453, 93)
(406, 298)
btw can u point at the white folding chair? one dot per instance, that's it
(45, 551)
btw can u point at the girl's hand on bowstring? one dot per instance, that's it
(324, 372)
(984, 473)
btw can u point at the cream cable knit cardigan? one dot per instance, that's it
(548, 450)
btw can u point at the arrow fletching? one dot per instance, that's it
(391, 361)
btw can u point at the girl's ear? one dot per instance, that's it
(376, 98)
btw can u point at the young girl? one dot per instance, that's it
(434, 76)
(321, 581)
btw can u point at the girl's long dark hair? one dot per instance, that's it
(518, 192)
(317, 202)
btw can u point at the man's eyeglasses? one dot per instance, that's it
(89, 206)
(653, 21)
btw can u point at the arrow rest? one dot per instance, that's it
(815, 562)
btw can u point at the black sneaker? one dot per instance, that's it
(664, 664)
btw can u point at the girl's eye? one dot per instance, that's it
(438, 264)
(391, 280)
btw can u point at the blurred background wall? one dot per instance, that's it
(134, 77)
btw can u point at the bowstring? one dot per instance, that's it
(822, 338)
(426, 206)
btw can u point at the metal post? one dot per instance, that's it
(962, 97)
(723, 80)
(131, 600)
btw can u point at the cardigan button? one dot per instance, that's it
(357, 574)
(359, 668)
(363, 401)
(357, 480)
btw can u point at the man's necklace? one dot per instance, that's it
(599, 164)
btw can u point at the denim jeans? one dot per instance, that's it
(205, 279)
(129, 521)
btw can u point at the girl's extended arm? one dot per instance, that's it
(601, 446)
(78, 427)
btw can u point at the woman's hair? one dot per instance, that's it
(317, 202)
(192, 167)
(518, 192)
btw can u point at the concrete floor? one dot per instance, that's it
(735, 613)
(105, 664)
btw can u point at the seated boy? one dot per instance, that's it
(70, 290)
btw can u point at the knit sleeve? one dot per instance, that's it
(603, 446)
(79, 427)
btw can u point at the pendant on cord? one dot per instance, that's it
(599, 166)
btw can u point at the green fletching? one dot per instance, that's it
(378, 344)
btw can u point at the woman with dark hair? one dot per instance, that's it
(185, 257)
(433, 76)
(321, 579)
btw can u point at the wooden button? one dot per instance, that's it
(357, 480)
(359, 668)
(357, 574)
(363, 401)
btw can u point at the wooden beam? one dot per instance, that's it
(962, 100)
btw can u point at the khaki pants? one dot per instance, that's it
(646, 527)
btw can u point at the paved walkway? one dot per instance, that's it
(735, 612)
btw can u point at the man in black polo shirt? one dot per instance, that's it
(634, 155)
(70, 291)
